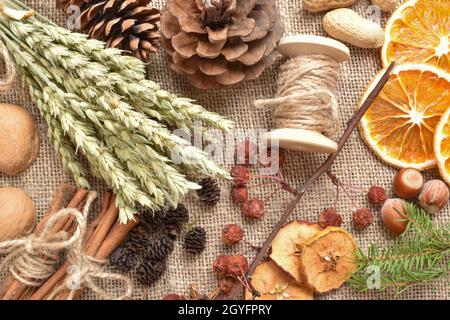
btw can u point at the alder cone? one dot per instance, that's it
(129, 25)
(219, 43)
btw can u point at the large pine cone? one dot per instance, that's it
(130, 25)
(221, 42)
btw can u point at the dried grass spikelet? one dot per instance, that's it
(218, 43)
(17, 213)
(19, 139)
(123, 24)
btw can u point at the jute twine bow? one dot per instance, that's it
(34, 258)
(10, 69)
(306, 97)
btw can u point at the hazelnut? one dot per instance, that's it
(232, 234)
(241, 175)
(407, 183)
(362, 218)
(434, 196)
(239, 194)
(330, 217)
(253, 209)
(377, 195)
(393, 215)
(246, 152)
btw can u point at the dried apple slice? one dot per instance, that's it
(327, 259)
(286, 246)
(274, 284)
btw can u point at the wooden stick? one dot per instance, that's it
(60, 274)
(16, 288)
(323, 169)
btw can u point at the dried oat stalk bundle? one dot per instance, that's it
(130, 25)
(220, 42)
(98, 104)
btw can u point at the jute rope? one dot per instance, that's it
(306, 95)
(34, 258)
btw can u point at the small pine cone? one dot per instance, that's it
(178, 216)
(159, 249)
(150, 271)
(124, 259)
(210, 191)
(139, 237)
(153, 221)
(195, 240)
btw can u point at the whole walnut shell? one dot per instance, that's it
(19, 139)
(17, 213)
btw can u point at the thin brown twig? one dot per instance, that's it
(323, 169)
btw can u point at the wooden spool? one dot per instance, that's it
(301, 139)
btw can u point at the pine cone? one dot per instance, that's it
(178, 216)
(159, 249)
(139, 237)
(123, 24)
(220, 42)
(210, 191)
(195, 240)
(125, 258)
(150, 271)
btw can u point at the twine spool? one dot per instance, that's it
(305, 108)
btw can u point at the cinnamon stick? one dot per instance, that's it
(107, 211)
(15, 288)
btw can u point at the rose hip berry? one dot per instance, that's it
(330, 217)
(362, 218)
(377, 195)
(241, 175)
(253, 209)
(239, 194)
(227, 284)
(232, 234)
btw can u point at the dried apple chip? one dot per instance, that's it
(274, 284)
(327, 259)
(286, 246)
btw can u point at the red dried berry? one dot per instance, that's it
(173, 296)
(377, 195)
(362, 218)
(237, 265)
(330, 217)
(240, 174)
(227, 284)
(246, 152)
(232, 234)
(220, 265)
(253, 209)
(239, 194)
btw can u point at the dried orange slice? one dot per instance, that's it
(442, 146)
(274, 284)
(287, 243)
(400, 124)
(327, 259)
(419, 32)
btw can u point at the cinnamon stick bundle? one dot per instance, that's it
(104, 235)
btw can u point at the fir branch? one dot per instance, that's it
(419, 255)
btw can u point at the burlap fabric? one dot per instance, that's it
(356, 164)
